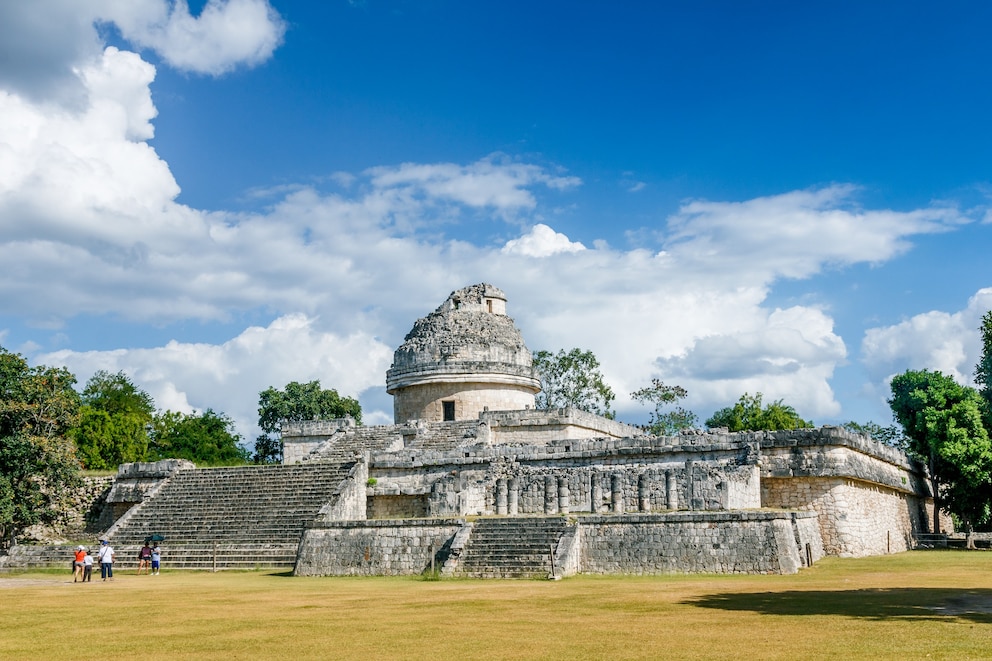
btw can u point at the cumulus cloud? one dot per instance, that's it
(227, 33)
(936, 340)
(43, 43)
(541, 241)
(229, 376)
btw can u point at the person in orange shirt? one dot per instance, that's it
(77, 564)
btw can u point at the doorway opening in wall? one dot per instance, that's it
(449, 411)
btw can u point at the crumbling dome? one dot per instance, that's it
(461, 359)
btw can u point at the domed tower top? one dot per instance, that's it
(462, 358)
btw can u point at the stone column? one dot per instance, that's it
(595, 493)
(550, 494)
(563, 495)
(643, 492)
(514, 496)
(671, 491)
(616, 493)
(501, 492)
(690, 487)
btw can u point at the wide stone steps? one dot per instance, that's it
(244, 511)
(513, 547)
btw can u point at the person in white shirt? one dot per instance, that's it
(87, 568)
(106, 555)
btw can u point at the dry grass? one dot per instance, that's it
(906, 606)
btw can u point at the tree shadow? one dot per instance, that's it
(874, 604)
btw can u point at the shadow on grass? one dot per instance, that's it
(876, 604)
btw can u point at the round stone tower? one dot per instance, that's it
(462, 358)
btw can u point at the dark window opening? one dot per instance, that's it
(449, 411)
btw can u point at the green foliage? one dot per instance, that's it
(38, 466)
(943, 422)
(983, 370)
(105, 440)
(268, 450)
(114, 421)
(660, 421)
(303, 401)
(298, 402)
(748, 415)
(572, 379)
(890, 435)
(207, 439)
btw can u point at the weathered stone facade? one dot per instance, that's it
(750, 502)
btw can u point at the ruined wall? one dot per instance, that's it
(378, 548)
(540, 427)
(690, 542)
(856, 518)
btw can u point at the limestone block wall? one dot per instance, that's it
(379, 548)
(471, 396)
(691, 542)
(539, 427)
(856, 518)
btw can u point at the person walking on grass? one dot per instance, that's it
(144, 558)
(77, 564)
(87, 568)
(156, 559)
(106, 560)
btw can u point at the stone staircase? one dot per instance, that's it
(511, 547)
(243, 517)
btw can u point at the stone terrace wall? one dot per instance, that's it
(378, 548)
(718, 542)
(539, 427)
(617, 475)
(868, 496)
(856, 518)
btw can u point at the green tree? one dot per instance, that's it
(296, 403)
(943, 422)
(748, 415)
(890, 435)
(983, 370)
(660, 421)
(114, 421)
(572, 379)
(207, 439)
(38, 465)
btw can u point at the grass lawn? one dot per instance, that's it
(918, 605)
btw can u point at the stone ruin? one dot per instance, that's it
(472, 480)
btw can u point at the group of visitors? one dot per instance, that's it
(149, 559)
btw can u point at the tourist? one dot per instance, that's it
(156, 559)
(77, 564)
(144, 558)
(106, 560)
(87, 568)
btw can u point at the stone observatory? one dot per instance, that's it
(472, 480)
(464, 358)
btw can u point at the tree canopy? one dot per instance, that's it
(983, 370)
(663, 422)
(572, 379)
(943, 422)
(38, 465)
(114, 421)
(748, 415)
(296, 403)
(206, 438)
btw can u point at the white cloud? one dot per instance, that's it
(796, 234)
(227, 33)
(936, 340)
(228, 377)
(541, 241)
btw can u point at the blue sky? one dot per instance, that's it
(790, 198)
